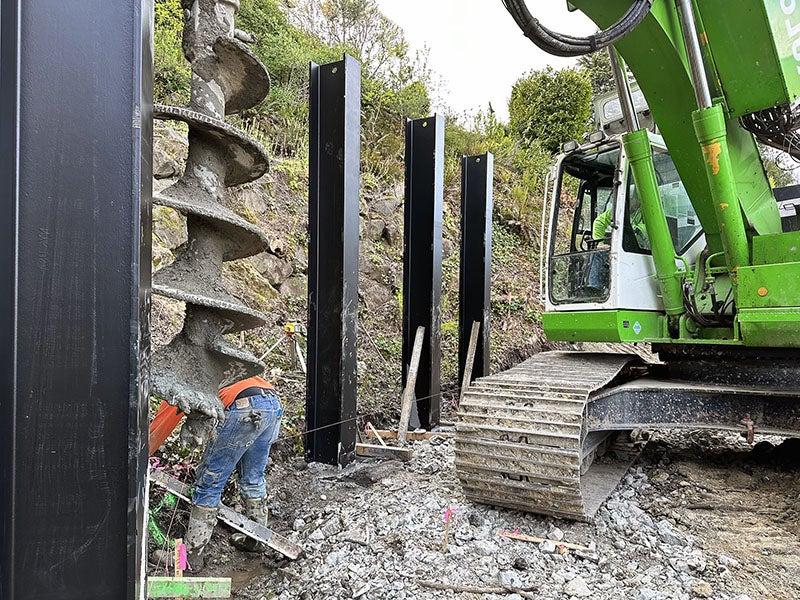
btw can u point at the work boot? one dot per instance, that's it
(256, 510)
(201, 525)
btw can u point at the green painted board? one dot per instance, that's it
(603, 326)
(188, 587)
(777, 248)
(769, 286)
(770, 327)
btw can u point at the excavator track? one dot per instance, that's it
(522, 440)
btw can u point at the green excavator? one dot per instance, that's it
(664, 233)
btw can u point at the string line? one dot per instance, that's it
(356, 418)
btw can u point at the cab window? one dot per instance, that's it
(580, 257)
(684, 225)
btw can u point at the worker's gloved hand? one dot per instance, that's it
(197, 430)
(190, 402)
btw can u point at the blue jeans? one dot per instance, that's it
(244, 439)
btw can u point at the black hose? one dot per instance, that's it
(559, 44)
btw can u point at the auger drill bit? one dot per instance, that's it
(226, 78)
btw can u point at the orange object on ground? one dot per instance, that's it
(169, 417)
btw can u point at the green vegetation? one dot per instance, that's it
(172, 75)
(397, 84)
(547, 107)
(598, 66)
(550, 107)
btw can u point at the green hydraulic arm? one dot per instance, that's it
(719, 76)
(656, 54)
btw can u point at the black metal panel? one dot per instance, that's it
(75, 262)
(334, 183)
(475, 274)
(8, 276)
(422, 259)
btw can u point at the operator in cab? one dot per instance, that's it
(602, 223)
(242, 441)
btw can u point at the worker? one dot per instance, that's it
(242, 441)
(597, 271)
(601, 223)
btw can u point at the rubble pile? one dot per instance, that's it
(377, 530)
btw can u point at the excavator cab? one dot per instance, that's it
(598, 252)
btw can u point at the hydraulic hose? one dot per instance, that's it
(560, 44)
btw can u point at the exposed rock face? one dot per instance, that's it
(295, 287)
(275, 269)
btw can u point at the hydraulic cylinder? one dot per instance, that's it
(709, 124)
(640, 156)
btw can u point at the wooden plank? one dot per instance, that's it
(239, 522)
(477, 589)
(177, 558)
(470, 363)
(376, 451)
(189, 587)
(371, 432)
(521, 537)
(411, 436)
(411, 384)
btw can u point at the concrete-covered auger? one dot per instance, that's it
(226, 79)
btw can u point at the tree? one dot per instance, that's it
(360, 26)
(550, 107)
(172, 74)
(598, 66)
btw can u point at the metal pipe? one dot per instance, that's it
(623, 90)
(694, 54)
(542, 233)
(640, 156)
(709, 124)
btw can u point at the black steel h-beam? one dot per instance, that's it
(333, 186)
(75, 187)
(422, 259)
(475, 273)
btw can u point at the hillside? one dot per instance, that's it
(396, 86)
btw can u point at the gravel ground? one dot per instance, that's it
(700, 515)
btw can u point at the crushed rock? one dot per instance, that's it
(374, 530)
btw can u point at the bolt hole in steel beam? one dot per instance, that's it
(75, 141)
(475, 271)
(422, 259)
(334, 185)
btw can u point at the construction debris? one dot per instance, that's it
(476, 589)
(371, 432)
(380, 523)
(229, 516)
(411, 436)
(521, 537)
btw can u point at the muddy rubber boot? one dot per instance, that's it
(201, 525)
(255, 509)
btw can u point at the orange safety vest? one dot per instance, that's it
(168, 416)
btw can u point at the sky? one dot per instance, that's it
(476, 48)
